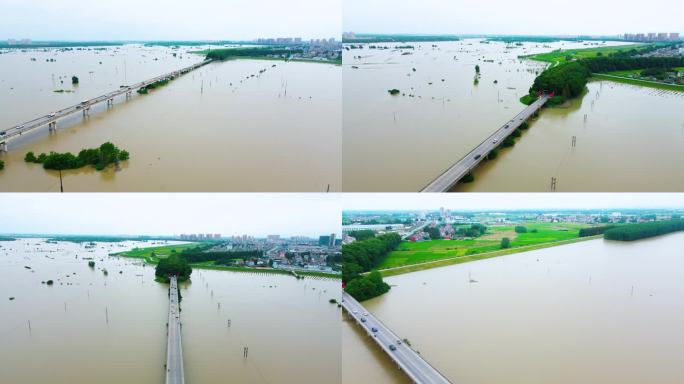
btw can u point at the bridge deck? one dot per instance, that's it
(174, 348)
(410, 362)
(457, 171)
(20, 129)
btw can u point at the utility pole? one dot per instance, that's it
(553, 183)
(61, 185)
(574, 141)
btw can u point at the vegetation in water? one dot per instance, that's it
(468, 178)
(393, 91)
(631, 232)
(362, 256)
(2, 165)
(173, 265)
(91, 264)
(74, 79)
(367, 286)
(159, 83)
(98, 158)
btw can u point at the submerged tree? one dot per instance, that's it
(74, 80)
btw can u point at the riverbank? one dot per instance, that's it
(152, 255)
(479, 256)
(641, 83)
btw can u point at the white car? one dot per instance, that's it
(53, 114)
(365, 314)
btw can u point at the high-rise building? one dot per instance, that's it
(324, 241)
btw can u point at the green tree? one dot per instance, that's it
(477, 69)
(505, 243)
(367, 286)
(433, 232)
(520, 229)
(173, 265)
(74, 80)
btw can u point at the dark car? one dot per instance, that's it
(374, 329)
(363, 319)
(477, 156)
(392, 347)
(3, 133)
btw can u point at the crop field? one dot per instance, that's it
(409, 253)
(153, 254)
(560, 56)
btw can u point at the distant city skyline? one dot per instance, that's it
(165, 214)
(508, 202)
(121, 20)
(523, 17)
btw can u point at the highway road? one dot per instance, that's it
(410, 362)
(453, 174)
(174, 348)
(52, 117)
(415, 230)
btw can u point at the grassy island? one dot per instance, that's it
(98, 158)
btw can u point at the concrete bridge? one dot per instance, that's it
(457, 171)
(50, 120)
(174, 348)
(408, 360)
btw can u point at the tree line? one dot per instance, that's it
(593, 231)
(631, 232)
(362, 256)
(223, 54)
(200, 254)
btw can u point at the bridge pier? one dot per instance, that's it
(86, 111)
(110, 103)
(52, 126)
(128, 95)
(3, 146)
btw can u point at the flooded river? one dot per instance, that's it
(92, 327)
(592, 312)
(217, 128)
(402, 142)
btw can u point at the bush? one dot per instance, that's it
(99, 158)
(393, 91)
(505, 243)
(468, 178)
(74, 79)
(367, 286)
(520, 229)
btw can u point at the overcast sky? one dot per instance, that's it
(527, 17)
(169, 19)
(509, 201)
(171, 213)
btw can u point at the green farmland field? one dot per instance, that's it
(410, 253)
(559, 56)
(153, 254)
